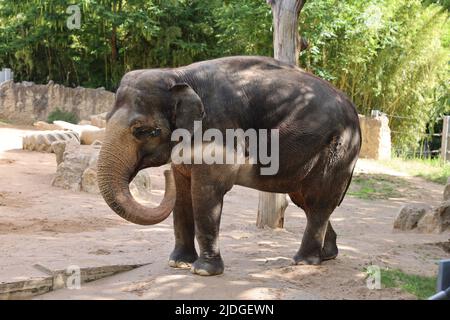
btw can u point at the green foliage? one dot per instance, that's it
(434, 170)
(115, 36)
(59, 114)
(420, 286)
(389, 55)
(244, 27)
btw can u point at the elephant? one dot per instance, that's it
(319, 141)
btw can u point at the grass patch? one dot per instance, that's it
(59, 114)
(434, 170)
(377, 186)
(420, 286)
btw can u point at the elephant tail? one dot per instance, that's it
(346, 188)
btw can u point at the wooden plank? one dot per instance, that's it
(57, 279)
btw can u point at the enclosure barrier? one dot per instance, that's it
(443, 282)
(6, 74)
(425, 149)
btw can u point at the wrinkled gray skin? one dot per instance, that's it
(320, 141)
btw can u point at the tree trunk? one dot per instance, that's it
(287, 46)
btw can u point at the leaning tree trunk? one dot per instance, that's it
(287, 46)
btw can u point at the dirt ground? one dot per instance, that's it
(58, 228)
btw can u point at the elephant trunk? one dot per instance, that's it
(117, 165)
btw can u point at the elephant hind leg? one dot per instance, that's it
(319, 238)
(330, 249)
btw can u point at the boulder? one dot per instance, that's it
(76, 160)
(376, 137)
(96, 143)
(78, 170)
(88, 133)
(141, 186)
(428, 223)
(74, 127)
(84, 122)
(99, 120)
(89, 181)
(436, 221)
(42, 141)
(410, 215)
(446, 194)
(41, 125)
(59, 147)
(91, 136)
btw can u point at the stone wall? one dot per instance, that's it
(26, 102)
(376, 138)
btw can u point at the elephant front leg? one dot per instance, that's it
(184, 253)
(207, 204)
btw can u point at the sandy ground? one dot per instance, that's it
(58, 228)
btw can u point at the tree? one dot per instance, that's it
(390, 55)
(287, 46)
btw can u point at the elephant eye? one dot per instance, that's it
(146, 132)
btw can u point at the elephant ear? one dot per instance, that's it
(188, 107)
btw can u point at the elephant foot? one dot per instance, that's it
(182, 259)
(302, 259)
(208, 267)
(329, 251)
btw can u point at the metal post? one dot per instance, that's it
(7, 74)
(443, 282)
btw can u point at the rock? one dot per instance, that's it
(76, 160)
(84, 122)
(42, 141)
(74, 127)
(409, 216)
(442, 216)
(376, 137)
(59, 147)
(91, 136)
(446, 194)
(428, 223)
(41, 125)
(78, 171)
(141, 186)
(88, 133)
(99, 120)
(436, 221)
(96, 143)
(89, 181)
